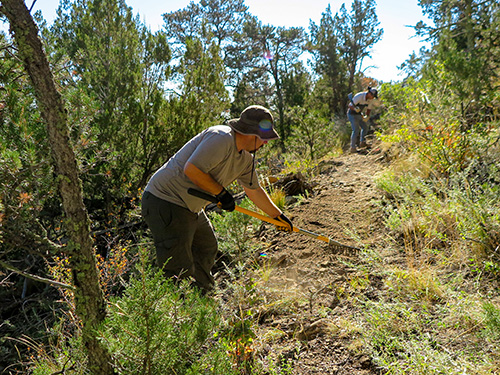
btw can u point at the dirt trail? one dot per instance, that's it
(320, 283)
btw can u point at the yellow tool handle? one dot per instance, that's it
(258, 216)
(312, 234)
(280, 224)
(208, 197)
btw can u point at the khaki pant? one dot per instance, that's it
(185, 242)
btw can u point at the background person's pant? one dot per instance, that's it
(185, 242)
(357, 125)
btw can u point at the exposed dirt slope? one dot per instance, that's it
(307, 313)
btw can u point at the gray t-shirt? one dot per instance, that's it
(213, 151)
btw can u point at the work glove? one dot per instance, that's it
(357, 109)
(366, 118)
(287, 223)
(226, 200)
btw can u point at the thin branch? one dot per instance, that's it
(35, 277)
(32, 5)
(7, 46)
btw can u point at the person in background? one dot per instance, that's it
(184, 238)
(358, 113)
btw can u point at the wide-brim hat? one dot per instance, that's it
(374, 92)
(255, 120)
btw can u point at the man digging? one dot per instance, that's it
(184, 238)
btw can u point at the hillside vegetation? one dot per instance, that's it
(421, 205)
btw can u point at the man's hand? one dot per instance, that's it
(366, 118)
(287, 223)
(226, 200)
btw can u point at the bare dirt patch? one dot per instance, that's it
(308, 319)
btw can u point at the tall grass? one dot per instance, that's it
(444, 191)
(442, 207)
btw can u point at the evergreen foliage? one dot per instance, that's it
(159, 327)
(328, 63)
(134, 97)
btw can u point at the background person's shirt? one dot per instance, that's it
(360, 101)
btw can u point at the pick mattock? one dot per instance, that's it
(332, 243)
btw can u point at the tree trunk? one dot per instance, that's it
(281, 107)
(89, 301)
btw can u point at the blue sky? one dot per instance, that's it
(397, 43)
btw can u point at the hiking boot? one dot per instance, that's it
(353, 150)
(364, 145)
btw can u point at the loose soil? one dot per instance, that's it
(311, 296)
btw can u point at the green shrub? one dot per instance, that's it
(423, 120)
(315, 135)
(492, 321)
(161, 328)
(234, 231)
